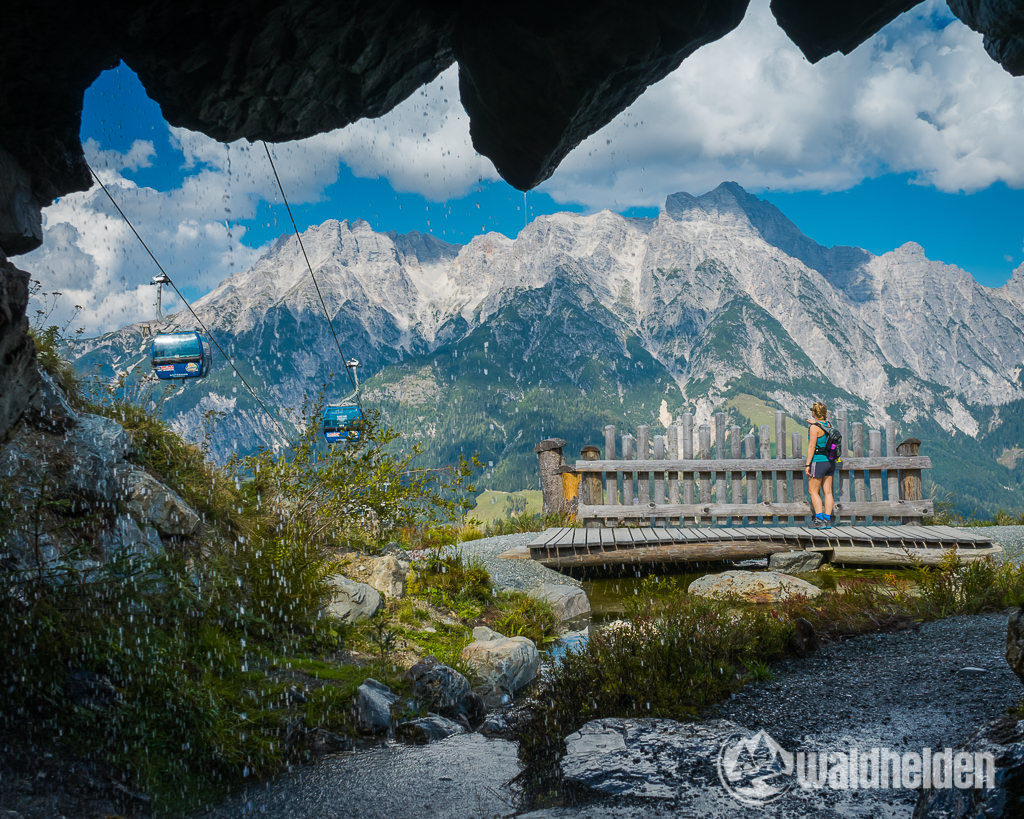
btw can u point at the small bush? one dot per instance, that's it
(49, 354)
(453, 583)
(515, 614)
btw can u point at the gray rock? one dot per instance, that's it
(322, 741)
(1004, 739)
(50, 409)
(752, 587)
(126, 537)
(646, 758)
(438, 687)
(1015, 642)
(795, 562)
(156, 505)
(426, 729)
(388, 574)
(507, 662)
(568, 602)
(352, 601)
(373, 707)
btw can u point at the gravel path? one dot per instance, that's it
(508, 573)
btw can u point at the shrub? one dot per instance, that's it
(515, 614)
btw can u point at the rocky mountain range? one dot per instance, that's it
(583, 320)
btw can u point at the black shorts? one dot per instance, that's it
(822, 469)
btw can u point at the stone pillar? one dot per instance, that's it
(910, 479)
(549, 457)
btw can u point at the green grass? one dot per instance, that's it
(758, 413)
(492, 506)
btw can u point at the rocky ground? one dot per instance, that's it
(512, 574)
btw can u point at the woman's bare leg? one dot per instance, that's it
(814, 487)
(826, 487)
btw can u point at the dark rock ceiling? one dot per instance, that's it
(535, 77)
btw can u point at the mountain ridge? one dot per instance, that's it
(717, 293)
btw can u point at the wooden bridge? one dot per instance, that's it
(665, 500)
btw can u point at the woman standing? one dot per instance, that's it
(819, 468)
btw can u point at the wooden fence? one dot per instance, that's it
(716, 477)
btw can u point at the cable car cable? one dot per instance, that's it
(323, 304)
(220, 349)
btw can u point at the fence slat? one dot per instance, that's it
(891, 475)
(857, 476)
(628, 450)
(720, 485)
(766, 475)
(611, 477)
(687, 433)
(704, 454)
(672, 447)
(750, 480)
(643, 453)
(659, 477)
(875, 475)
(797, 489)
(861, 463)
(781, 491)
(863, 509)
(735, 450)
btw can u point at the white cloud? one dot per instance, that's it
(921, 97)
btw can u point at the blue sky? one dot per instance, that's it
(913, 137)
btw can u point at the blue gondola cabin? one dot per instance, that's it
(181, 355)
(341, 423)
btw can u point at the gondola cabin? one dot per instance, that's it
(181, 355)
(341, 423)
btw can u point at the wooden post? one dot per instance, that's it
(782, 493)
(687, 444)
(628, 450)
(659, 477)
(767, 478)
(643, 452)
(910, 479)
(891, 478)
(749, 447)
(798, 488)
(549, 457)
(704, 453)
(611, 479)
(857, 478)
(735, 447)
(720, 496)
(591, 490)
(841, 482)
(875, 475)
(570, 490)
(672, 443)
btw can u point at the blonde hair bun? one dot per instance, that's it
(819, 410)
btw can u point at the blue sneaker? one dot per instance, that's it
(826, 521)
(818, 522)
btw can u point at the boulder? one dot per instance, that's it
(795, 562)
(373, 707)
(438, 687)
(126, 537)
(568, 602)
(752, 587)
(352, 602)
(647, 758)
(1015, 642)
(154, 504)
(507, 662)
(426, 729)
(1004, 739)
(388, 574)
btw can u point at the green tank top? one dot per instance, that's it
(819, 445)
